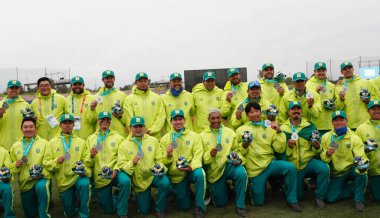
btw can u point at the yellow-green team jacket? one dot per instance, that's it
(108, 101)
(269, 93)
(308, 113)
(43, 106)
(183, 101)
(260, 152)
(10, 123)
(189, 146)
(227, 108)
(312, 84)
(215, 165)
(303, 151)
(342, 160)
(355, 109)
(106, 157)
(78, 105)
(64, 175)
(371, 129)
(204, 101)
(5, 160)
(141, 173)
(235, 123)
(375, 88)
(35, 156)
(148, 105)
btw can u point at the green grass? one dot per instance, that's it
(272, 208)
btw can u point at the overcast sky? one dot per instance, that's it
(160, 37)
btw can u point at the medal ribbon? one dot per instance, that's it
(332, 139)
(103, 137)
(260, 123)
(66, 145)
(345, 81)
(294, 129)
(107, 92)
(12, 100)
(176, 136)
(73, 105)
(233, 87)
(139, 144)
(25, 148)
(219, 137)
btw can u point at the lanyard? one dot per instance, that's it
(294, 128)
(107, 92)
(345, 81)
(40, 104)
(176, 136)
(25, 148)
(102, 138)
(73, 105)
(339, 138)
(260, 123)
(233, 87)
(219, 138)
(136, 141)
(12, 100)
(66, 145)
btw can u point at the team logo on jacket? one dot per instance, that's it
(264, 135)
(38, 150)
(227, 140)
(153, 103)
(149, 148)
(348, 145)
(58, 149)
(113, 144)
(86, 105)
(188, 142)
(170, 105)
(201, 99)
(77, 148)
(18, 152)
(185, 103)
(217, 98)
(131, 153)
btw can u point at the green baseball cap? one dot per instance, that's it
(175, 76)
(77, 79)
(141, 75)
(104, 114)
(137, 120)
(232, 71)
(336, 114)
(299, 76)
(293, 104)
(266, 65)
(108, 73)
(373, 103)
(209, 75)
(176, 112)
(320, 65)
(13, 83)
(345, 64)
(65, 117)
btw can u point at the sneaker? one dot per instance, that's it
(207, 198)
(294, 207)
(160, 214)
(241, 212)
(198, 213)
(319, 203)
(359, 206)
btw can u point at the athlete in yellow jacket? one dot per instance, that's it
(62, 155)
(183, 151)
(221, 164)
(27, 156)
(11, 113)
(5, 185)
(272, 88)
(140, 157)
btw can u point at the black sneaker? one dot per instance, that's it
(241, 212)
(198, 213)
(294, 207)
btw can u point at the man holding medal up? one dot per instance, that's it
(27, 156)
(102, 158)
(273, 88)
(223, 162)
(303, 144)
(78, 104)
(64, 157)
(48, 106)
(140, 157)
(183, 151)
(344, 152)
(10, 116)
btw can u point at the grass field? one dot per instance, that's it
(272, 208)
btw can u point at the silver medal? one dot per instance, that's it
(334, 145)
(345, 89)
(5, 105)
(267, 123)
(99, 146)
(309, 95)
(218, 147)
(174, 144)
(140, 154)
(294, 136)
(323, 90)
(67, 156)
(24, 159)
(241, 108)
(233, 92)
(99, 99)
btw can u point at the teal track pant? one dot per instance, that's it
(35, 201)
(339, 188)
(322, 171)
(144, 199)
(182, 190)
(79, 192)
(120, 204)
(238, 175)
(275, 168)
(375, 187)
(6, 195)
